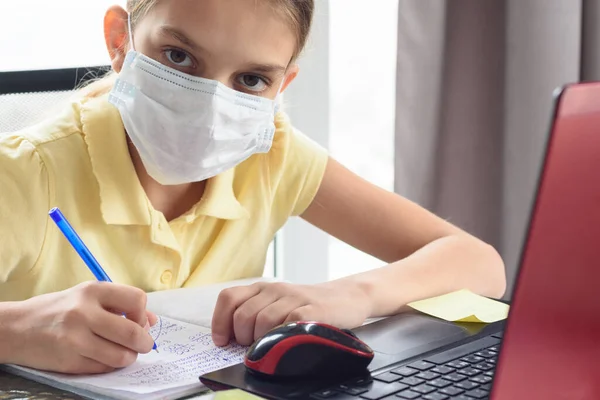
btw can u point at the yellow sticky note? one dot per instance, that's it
(234, 394)
(463, 306)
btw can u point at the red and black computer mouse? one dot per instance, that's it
(308, 349)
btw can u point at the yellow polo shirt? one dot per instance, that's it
(79, 162)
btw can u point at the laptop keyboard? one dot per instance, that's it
(464, 373)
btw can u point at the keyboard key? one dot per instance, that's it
(439, 383)
(495, 349)
(486, 354)
(366, 381)
(405, 371)
(463, 350)
(478, 394)
(469, 371)
(427, 375)
(481, 379)
(422, 365)
(356, 391)
(387, 377)
(489, 373)
(467, 385)
(325, 394)
(458, 364)
(423, 389)
(379, 390)
(455, 377)
(408, 394)
(492, 360)
(412, 381)
(452, 391)
(487, 386)
(484, 366)
(472, 359)
(442, 370)
(462, 397)
(435, 396)
(352, 390)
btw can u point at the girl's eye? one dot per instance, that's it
(179, 58)
(253, 82)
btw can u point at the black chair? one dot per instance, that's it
(26, 97)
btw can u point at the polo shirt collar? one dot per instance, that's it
(122, 198)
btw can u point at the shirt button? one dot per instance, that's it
(166, 277)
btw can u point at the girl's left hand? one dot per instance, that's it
(246, 313)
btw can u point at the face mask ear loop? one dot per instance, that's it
(277, 102)
(130, 31)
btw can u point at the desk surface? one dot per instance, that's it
(13, 387)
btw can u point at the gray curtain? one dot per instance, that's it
(474, 100)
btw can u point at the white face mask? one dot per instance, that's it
(188, 129)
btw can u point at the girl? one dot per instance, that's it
(177, 171)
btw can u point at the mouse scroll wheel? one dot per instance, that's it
(349, 332)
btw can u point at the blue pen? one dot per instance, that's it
(80, 247)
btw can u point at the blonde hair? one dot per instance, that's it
(298, 12)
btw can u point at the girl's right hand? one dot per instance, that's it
(80, 330)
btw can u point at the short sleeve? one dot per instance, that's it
(297, 167)
(24, 202)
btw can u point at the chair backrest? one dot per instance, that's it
(27, 97)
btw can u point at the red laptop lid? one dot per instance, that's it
(551, 347)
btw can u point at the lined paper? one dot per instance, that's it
(185, 352)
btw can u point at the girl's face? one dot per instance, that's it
(245, 44)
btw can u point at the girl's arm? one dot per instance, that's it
(8, 341)
(426, 255)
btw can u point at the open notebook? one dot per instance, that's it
(185, 346)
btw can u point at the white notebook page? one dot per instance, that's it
(193, 305)
(185, 352)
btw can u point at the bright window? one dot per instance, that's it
(363, 90)
(52, 34)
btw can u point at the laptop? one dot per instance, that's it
(549, 347)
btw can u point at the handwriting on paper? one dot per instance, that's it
(203, 338)
(164, 327)
(185, 352)
(179, 349)
(186, 368)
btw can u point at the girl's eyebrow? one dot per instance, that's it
(176, 34)
(266, 68)
(180, 37)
